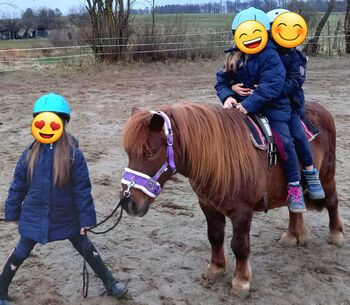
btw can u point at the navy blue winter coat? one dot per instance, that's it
(294, 62)
(45, 212)
(266, 70)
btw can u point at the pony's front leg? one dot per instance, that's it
(216, 235)
(296, 232)
(240, 244)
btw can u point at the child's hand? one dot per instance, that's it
(230, 102)
(241, 109)
(84, 230)
(240, 90)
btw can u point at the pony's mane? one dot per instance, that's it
(215, 141)
(136, 133)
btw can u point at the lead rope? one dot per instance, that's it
(120, 204)
(85, 269)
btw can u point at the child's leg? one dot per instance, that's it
(85, 247)
(304, 152)
(14, 260)
(302, 145)
(286, 149)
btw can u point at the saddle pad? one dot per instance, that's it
(261, 137)
(310, 130)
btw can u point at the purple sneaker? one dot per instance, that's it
(295, 199)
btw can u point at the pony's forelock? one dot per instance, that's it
(136, 133)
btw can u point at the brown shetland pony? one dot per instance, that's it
(213, 149)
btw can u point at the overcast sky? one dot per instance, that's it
(64, 5)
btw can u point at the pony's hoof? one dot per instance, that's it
(213, 272)
(336, 238)
(288, 239)
(240, 289)
(303, 239)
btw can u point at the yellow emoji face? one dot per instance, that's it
(47, 127)
(289, 30)
(250, 37)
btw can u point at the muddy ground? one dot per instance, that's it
(163, 256)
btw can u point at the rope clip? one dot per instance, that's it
(127, 191)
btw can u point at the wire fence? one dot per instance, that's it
(187, 45)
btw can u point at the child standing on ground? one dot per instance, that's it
(50, 196)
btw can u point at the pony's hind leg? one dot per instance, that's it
(216, 235)
(240, 244)
(296, 232)
(336, 234)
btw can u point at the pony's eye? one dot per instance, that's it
(149, 153)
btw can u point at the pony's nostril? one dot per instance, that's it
(133, 207)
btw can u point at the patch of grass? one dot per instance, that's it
(198, 22)
(24, 44)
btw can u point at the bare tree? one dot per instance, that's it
(152, 4)
(312, 45)
(12, 25)
(109, 19)
(29, 19)
(347, 28)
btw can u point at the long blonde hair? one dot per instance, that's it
(62, 159)
(231, 63)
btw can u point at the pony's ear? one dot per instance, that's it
(135, 110)
(156, 123)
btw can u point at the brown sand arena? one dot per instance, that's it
(164, 255)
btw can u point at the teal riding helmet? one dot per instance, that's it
(52, 102)
(251, 14)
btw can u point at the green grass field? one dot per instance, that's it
(24, 44)
(205, 22)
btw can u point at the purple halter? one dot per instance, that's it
(150, 185)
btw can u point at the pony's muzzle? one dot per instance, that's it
(132, 208)
(137, 204)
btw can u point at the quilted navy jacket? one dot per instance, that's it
(266, 70)
(294, 62)
(45, 212)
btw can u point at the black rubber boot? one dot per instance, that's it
(112, 285)
(11, 266)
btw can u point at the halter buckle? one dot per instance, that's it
(151, 185)
(127, 191)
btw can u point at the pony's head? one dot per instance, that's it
(210, 148)
(148, 142)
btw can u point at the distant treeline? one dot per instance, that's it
(32, 23)
(237, 5)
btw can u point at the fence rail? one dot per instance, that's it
(328, 44)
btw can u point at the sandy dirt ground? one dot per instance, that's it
(163, 256)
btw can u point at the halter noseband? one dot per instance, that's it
(150, 185)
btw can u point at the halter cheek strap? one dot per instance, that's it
(150, 185)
